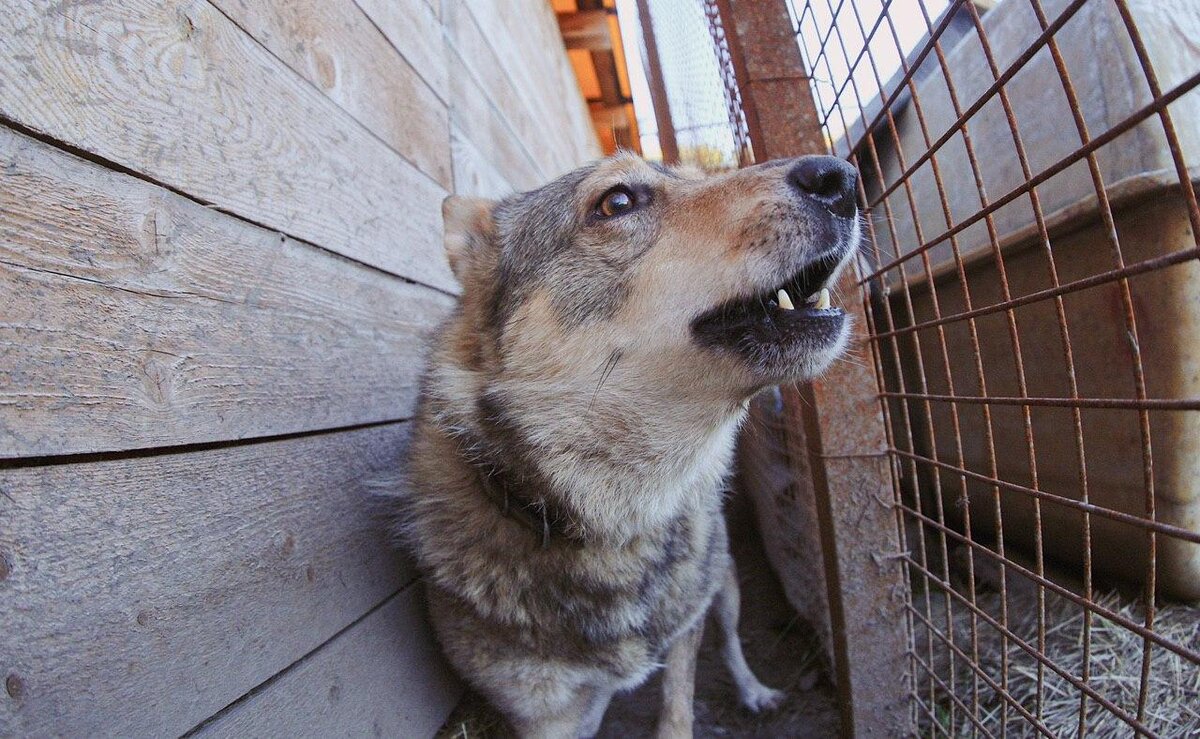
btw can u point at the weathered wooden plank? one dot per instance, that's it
(473, 114)
(531, 53)
(474, 174)
(415, 30)
(525, 36)
(175, 90)
(382, 677)
(141, 595)
(471, 55)
(547, 146)
(131, 317)
(336, 47)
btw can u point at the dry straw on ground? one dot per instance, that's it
(1173, 699)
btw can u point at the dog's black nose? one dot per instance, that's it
(828, 180)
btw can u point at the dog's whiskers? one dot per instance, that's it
(607, 369)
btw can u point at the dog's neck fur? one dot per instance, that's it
(653, 455)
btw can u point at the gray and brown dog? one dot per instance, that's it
(578, 418)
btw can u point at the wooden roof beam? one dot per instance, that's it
(586, 29)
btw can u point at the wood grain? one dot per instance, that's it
(132, 317)
(521, 107)
(333, 45)
(473, 114)
(526, 40)
(144, 594)
(175, 90)
(383, 677)
(415, 30)
(474, 173)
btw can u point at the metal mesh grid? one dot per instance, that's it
(699, 90)
(735, 115)
(1029, 279)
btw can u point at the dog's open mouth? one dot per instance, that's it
(807, 285)
(777, 306)
(796, 312)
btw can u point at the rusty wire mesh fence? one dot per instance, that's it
(697, 98)
(1032, 290)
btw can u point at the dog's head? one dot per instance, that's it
(704, 282)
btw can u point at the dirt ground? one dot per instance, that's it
(782, 651)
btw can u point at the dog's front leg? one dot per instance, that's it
(679, 683)
(755, 696)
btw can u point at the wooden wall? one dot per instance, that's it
(220, 248)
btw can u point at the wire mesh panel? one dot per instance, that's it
(1032, 290)
(699, 88)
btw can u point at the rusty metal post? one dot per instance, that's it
(775, 94)
(839, 415)
(658, 87)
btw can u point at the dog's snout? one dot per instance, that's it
(828, 180)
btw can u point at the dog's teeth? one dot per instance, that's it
(823, 299)
(785, 301)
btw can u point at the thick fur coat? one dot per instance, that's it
(578, 417)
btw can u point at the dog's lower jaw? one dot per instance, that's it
(790, 374)
(820, 361)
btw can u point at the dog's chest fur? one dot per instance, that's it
(498, 595)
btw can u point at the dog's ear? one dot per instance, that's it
(470, 234)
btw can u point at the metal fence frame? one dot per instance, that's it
(836, 421)
(850, 418)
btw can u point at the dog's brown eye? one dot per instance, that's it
(615, 202)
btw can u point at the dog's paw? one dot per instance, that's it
(759, 698)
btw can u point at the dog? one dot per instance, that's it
(578, 415)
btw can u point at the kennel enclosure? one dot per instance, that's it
(1001, 479)
(989, 509)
